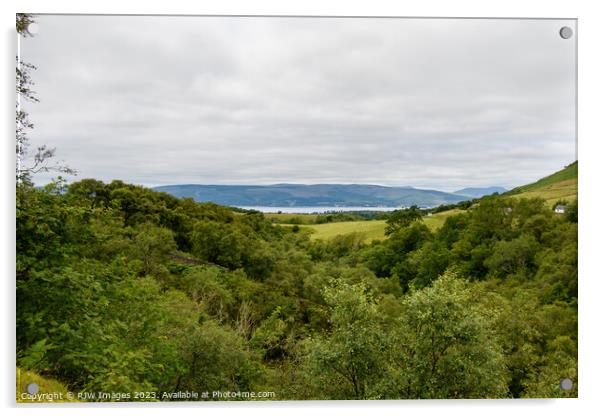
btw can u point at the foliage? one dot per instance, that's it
(402, 218)
(121, 288)
(446, 347)
(348, 362)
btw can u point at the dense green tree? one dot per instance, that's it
(348, 362)
(431, 261)
(446, 346)
(401, 218)
(572, 212)
(509, 257)
(270, 335)
(151, 245)
(217, 360)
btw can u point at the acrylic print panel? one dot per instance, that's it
(295, 208)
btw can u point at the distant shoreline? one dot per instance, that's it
(316, 210)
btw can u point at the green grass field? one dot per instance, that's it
(373, 230)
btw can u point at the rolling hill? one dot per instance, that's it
(479, 192)
(322, 195)
(561, 185)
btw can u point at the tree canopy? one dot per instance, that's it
(202, 297)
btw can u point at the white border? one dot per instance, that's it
(590, 34)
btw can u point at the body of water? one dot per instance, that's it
(319, 210)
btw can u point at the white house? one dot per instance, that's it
(560, 209)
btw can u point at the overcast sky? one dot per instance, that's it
(430, 103)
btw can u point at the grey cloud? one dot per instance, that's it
(431, 103)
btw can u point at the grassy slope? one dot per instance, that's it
(559, 185)
(46, 386)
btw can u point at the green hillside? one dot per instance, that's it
(561, 185)
(569, 172)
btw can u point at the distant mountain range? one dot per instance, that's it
(562, 184)
(323, 195)
(479, 192)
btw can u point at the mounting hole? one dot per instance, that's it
(33, 28)
(32, 388)
(566, 384)
(566, 32)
